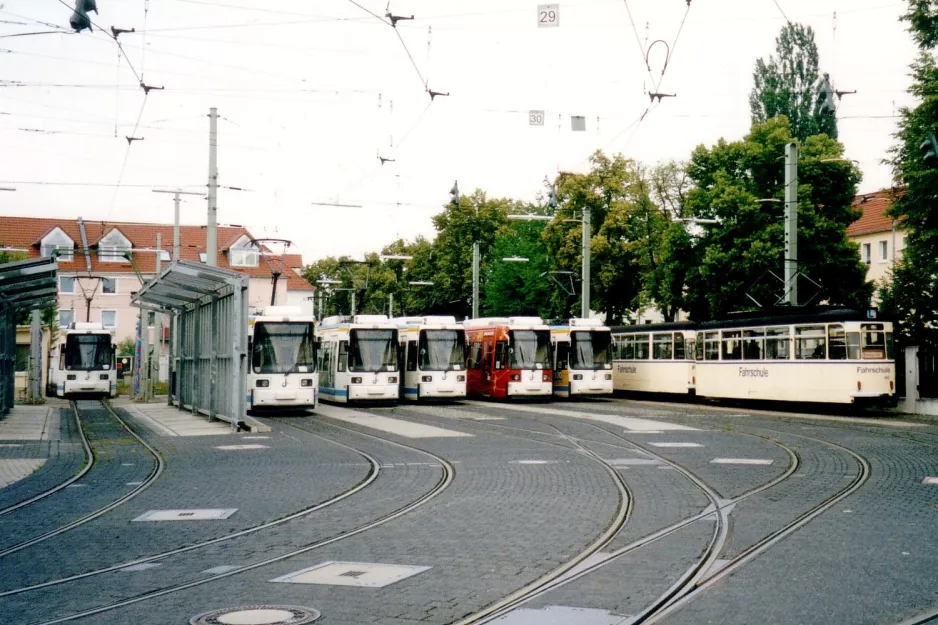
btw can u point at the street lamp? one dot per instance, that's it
(395, 257)
(420, 283)
(515, 259)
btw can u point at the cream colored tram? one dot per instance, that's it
(825, 355)
(654, 358)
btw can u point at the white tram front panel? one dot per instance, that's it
(654, 360)
(582, 356)
(358, 359)
(283, 360)
(843, 362)
(433, 358)
(86, 362)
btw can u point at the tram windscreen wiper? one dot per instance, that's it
(283, 348)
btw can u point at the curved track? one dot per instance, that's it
(446, 478)
(150, 479)
(89, 462)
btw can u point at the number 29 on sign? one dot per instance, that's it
(548, 15)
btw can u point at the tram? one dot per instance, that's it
(283, 372)
(433, 355)
(582, 357)
(825, 355)
(508, 357)
(358, 358)
(85, 353)
(654, 358)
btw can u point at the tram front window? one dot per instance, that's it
(87, 352)
(872, 341)
(373, 351)
(529, 349)
(283, 348)
(590, 350)
(442, 350)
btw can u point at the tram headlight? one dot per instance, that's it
(515, 377)
(460, 378)
(392, 379)
(608, 376)
(356, 380)
(71, 376)
(546, 377)
(103, 376)
(262, 383)
(577, 376)
(306, 382)
(426, 378)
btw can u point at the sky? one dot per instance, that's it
(310, 93)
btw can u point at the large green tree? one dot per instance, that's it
(737, 254)
(913, 292)
(787, 84)
(521, 288)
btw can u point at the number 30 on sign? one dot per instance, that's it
(535, 118)
(548, 15)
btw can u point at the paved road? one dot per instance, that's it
(594, 512)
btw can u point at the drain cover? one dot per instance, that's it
(258, 615)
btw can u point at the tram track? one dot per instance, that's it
(146, 483)
(448, 473)
(89, 462)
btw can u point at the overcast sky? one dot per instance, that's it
(311, 92)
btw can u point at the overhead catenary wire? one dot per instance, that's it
(114, 38)
(782, 11)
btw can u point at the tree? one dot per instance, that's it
(737, 254)
(126, 348)
(913, 292)
(520, 288)
(788, 85)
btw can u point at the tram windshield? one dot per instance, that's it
(442, 350)
(283, 348)
(88, 352)
(590, 350)
(529, 349)
(373, 350)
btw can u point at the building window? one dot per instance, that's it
(109, 286)
(243, 253)
(109, 319)
(866, 252)
(883, 251)
(59, 244)
(66, 317)
(111, 248)
(66, 285)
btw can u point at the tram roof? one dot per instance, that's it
(28, 284)
(667, 326)
(789, 316)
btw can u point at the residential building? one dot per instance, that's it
(880, 237)
(96, 279)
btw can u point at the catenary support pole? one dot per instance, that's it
(476, 260)
(211, 239)
(585, 275)
(176, 242)
(791, 224)
(34, 387)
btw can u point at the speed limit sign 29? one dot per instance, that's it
(548, 15)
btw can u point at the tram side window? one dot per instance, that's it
(343, 356)
(412, 355)
(890, 347)
(810, 343)
(853, 345)
(475, 356)
(711, 346)
(679, 351)
(753, 344)
(732, 345)
(872, 341)
(562, 356)
(776, 344)
(627, 348)
(663, 346)
(501, 354)
(641, 346)
(836, 342)
(699, 347)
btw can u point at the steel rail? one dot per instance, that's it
(446, 478)
(150, 479)
(89, 462)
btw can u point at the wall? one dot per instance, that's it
(302, 300)
(260, 289)
(21, 379)
(878, 269)
(119, 302)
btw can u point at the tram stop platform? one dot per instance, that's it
(29, 437)
(165, 420)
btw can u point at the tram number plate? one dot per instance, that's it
(548, 15)
(535, 118)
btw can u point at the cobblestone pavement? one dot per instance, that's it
(531, 491)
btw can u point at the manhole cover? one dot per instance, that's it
(257, 615)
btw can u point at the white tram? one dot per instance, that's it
(582, 356)
(433, 355)
(827, 355)
(282, 373)
(358, 358)
(654, 358)
(85, 353)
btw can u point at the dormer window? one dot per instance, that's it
(243, 253)
(113, 247)
(59, 244)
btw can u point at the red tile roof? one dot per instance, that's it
(27, 232)
(874, 219)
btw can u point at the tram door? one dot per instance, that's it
(561, 358)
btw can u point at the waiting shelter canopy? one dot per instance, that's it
(208, 338)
